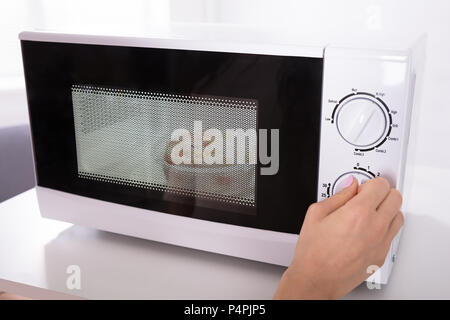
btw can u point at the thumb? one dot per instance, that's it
(349, 188)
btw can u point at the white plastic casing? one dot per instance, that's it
(386, 79)
(383, 73)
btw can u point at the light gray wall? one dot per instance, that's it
(16, 163)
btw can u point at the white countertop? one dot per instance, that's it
(35, 253)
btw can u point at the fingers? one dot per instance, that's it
(390, 206)
(373, 192)
(325, 207)
(392, 231)
(394, 228)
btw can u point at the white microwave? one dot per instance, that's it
(103, 112)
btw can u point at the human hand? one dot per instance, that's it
(341, 236)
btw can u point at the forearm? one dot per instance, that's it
(296, 286)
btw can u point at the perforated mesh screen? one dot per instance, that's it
(123, 136)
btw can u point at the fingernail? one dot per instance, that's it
(347, 182)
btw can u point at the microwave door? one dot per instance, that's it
(106, 120)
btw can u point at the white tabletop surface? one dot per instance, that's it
(35, 253)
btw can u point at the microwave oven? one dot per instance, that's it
(104, 111)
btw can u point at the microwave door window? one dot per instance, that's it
(129, 137)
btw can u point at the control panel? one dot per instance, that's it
(365, 120)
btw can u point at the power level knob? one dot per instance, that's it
(361, 120)
(340, 182)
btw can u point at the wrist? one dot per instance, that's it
(295, 285)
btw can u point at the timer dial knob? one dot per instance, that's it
(339, 184)
(361, 120)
